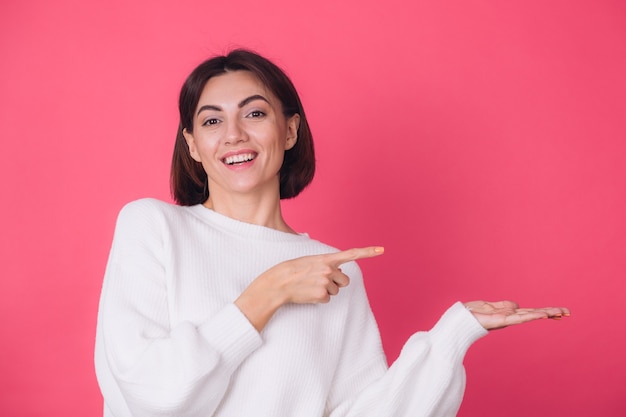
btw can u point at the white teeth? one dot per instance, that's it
(235, 159)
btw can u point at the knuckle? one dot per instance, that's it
(326, 270)
(322, 281)
(320, 293)
(322, 296)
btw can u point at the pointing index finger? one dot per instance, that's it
(353, 254)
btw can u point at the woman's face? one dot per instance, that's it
(240, 135)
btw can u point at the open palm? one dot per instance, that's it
(499, 314)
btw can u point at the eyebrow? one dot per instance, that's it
(240, 105)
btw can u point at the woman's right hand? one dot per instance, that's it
(306, 280)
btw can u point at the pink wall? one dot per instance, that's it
(482, 142)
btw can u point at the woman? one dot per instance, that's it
(216, 307)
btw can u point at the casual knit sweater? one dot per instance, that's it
(171, 342)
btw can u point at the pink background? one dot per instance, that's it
(483, 143)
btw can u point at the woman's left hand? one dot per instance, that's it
(501, 314)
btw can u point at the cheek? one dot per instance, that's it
(206, 145)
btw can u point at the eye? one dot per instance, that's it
(209, 122)
(256, 114)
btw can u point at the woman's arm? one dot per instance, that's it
(145, 366)
(428, 378)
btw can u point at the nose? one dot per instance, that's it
(235, 133)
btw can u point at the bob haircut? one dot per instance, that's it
(188, 180)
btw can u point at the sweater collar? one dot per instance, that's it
(243, 229)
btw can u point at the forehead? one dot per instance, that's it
(233, 86)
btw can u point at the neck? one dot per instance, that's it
(262, 210)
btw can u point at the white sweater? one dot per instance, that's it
(170, 341)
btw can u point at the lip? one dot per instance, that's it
(236, 153)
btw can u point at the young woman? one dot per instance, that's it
(216, 307)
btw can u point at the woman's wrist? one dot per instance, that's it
(259, 303)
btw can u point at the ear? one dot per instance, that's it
(293, 123)
(191, 143)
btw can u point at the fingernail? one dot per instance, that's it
(379, 249)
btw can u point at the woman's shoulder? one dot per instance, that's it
(148, 209)
(147, 206)
(148, 219)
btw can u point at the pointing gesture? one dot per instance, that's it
(339, 258)
(306, 280)
(313, 279)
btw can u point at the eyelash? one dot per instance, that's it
(210, 122)
(256, 113)
(253, 114)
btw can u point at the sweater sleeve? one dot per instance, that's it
(145, 366)
(427, 379)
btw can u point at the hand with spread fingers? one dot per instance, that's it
(499, 314)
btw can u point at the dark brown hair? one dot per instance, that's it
(188, 180)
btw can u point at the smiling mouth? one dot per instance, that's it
(239, 159)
